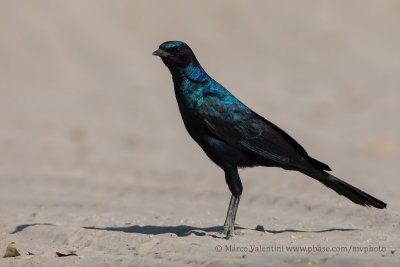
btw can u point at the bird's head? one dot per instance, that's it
(175, 54)
(181, 61)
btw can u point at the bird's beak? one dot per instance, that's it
(161, 53)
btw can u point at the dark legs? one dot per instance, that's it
(235, 186)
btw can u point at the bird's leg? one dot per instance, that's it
(231, 216)
(235, 208)
(236, 188)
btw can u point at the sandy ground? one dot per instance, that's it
(94, 156)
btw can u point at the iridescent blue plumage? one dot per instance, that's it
(220, 115)
(233, 136)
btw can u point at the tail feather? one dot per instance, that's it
(342, 188)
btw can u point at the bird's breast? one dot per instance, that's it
(188, 103)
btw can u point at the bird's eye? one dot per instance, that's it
(177, 50)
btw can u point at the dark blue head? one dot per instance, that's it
(176, 55)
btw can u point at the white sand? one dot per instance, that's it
(94, 156)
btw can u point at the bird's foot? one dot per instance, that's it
(229, 231)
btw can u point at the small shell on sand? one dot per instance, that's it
(11, 251)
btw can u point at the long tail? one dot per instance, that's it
(342, 188)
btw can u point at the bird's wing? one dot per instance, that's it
(236, 124)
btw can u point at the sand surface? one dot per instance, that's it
(94, 156)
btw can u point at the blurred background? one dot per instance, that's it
(82, 96)
(91, 135)
(80, 90)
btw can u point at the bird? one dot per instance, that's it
(233, 136)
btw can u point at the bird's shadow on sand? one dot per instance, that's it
(186, 230)
(312, 231)
(183, 230)
(179, 230)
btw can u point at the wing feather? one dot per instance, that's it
(240, 127)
